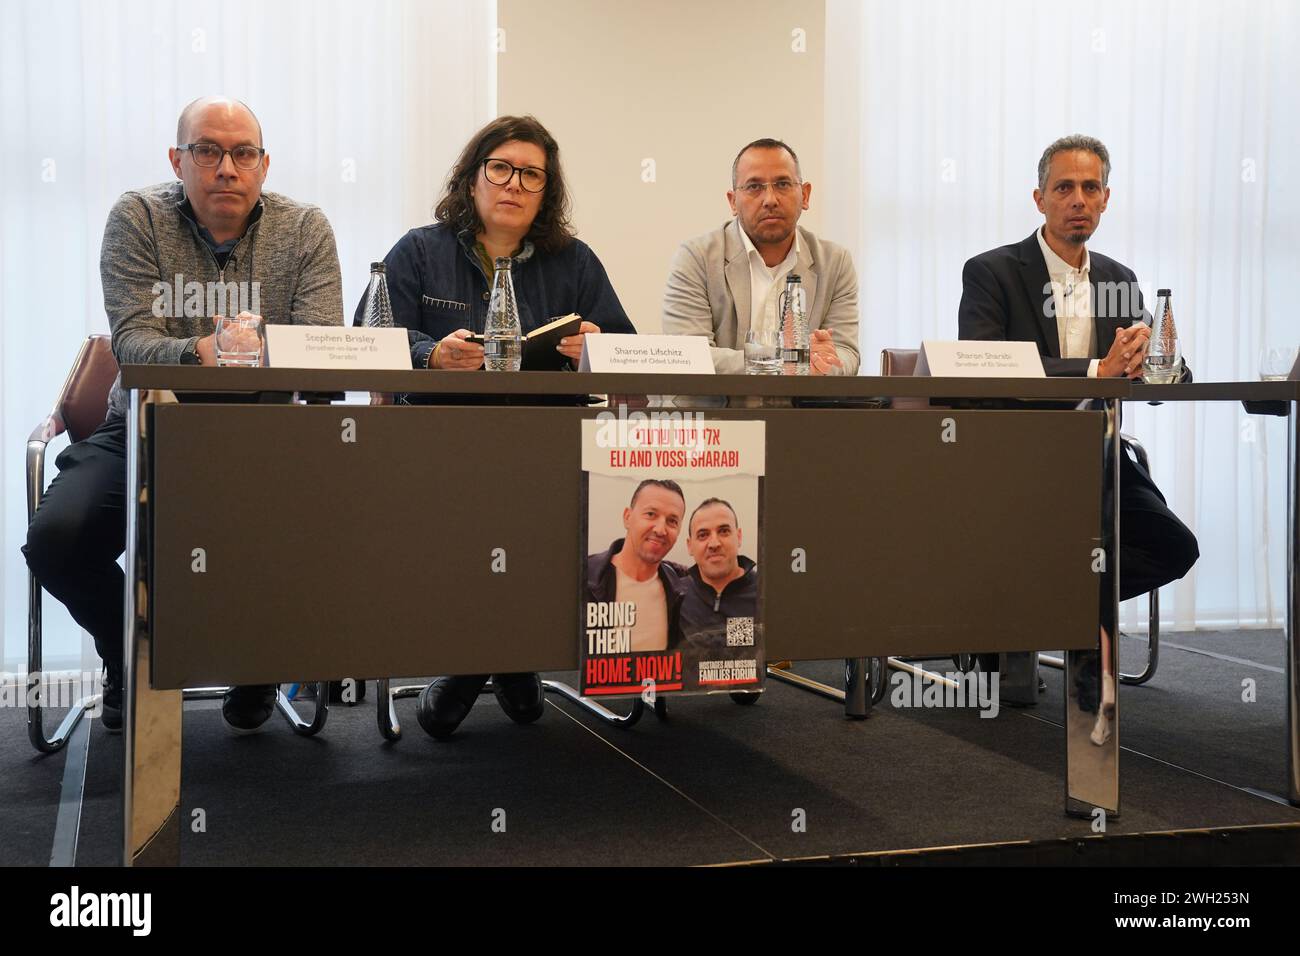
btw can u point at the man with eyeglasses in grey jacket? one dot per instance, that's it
(175, 258)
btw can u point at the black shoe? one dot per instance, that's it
(745, 698)
(246, 709)
(110, 705)
(445, 702)
(520, 696)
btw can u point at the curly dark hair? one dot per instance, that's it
(551, 231)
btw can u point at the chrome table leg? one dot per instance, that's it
(1293, 605)
(1092, 727)
(151, 781)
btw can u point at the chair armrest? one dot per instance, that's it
(1139, 450)
(50, 428)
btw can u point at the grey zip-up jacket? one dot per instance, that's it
(285, 264)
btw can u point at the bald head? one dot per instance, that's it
(218, 104)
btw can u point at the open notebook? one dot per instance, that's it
(540, 345)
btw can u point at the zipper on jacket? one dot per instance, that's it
(221, 270)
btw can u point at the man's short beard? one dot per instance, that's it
(644, 555)
(781, 238)
(1078, 237)
(725, 576)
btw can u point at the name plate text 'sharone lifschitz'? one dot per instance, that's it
(979, 360)
(332, 346)
(683, 354)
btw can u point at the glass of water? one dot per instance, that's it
(239, 340)
(1276, 362)
(762, 352)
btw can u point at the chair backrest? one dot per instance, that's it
(901, 362)
(83, 403)
(898, 361)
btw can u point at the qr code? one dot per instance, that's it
(740, 632)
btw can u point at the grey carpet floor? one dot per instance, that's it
(714, 783)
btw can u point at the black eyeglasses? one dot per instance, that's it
(499, 172)
(210, 154)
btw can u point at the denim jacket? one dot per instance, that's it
(437, 285)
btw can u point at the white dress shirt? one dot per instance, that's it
(1072, 295)
(766, 284)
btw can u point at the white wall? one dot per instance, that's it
(364, 106)
(683, 84)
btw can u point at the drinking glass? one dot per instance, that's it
(1276, 362)
(239, 340)
(762, 352)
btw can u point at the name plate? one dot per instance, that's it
(679, 354)
(332, 346)
(980, 360)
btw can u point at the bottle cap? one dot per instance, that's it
(378, 267)
(1164, 292)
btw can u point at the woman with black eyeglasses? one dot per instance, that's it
(506, 197)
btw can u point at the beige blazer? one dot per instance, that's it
(709, 291)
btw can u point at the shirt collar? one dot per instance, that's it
(186, 209)
(1056, 266)
(751, 250)
(469, 242)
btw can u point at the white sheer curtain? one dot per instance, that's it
(364, 106)
(936, 115)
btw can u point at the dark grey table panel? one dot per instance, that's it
(326, 558)
(915, 545)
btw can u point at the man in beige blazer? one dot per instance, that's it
(730, 279)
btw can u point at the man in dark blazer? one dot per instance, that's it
(1085, 313)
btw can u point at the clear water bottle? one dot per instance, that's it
(378, 314)
(795, 347)
(379, 310)
(502, 336)
(1164, 361)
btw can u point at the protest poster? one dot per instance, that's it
(671, 596)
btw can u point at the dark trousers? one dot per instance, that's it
(1155, 548)
(78, 533)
